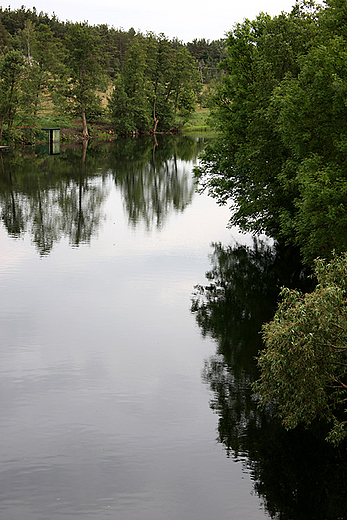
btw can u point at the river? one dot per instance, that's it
(120, 398)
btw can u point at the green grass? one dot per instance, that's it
(52, 120)
(198, 121)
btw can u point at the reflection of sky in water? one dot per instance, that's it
(103, 412)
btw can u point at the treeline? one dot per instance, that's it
(141, 82)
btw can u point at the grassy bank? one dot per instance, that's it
(198, 121)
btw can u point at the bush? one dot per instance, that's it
(304, 365)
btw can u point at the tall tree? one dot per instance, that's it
(244, 164)
(48, 56)
(42, 67)
(84, 72)
(158, 81)
(311, 118)
(11, 71)
(5, 37)
(208, 55)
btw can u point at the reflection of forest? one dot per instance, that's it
(50, 197)
(54, 196)
(297, 474)
(153, 178)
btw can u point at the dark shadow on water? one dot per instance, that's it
(296, 474)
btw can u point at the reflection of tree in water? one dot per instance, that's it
(155, 181)
(297, 474)
(44, 219)
(11, 211)
(151, 192)
(50, 202)
(50, 197)
(80, 204)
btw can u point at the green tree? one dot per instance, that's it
(120, 108)
(173, 80)
(158, 81)
(185, 83)
(280, 158)
(48, 56)
(134, 78)
(5, 37)
(128, 103)
(115, 44)
(159, 74)
(84, 73)
(41, 72)
(244, 164)
(208, 55)
(304, 363)
(311, 118)
(11, 71)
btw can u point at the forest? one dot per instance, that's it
(138, 83)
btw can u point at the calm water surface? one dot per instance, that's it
(125, 387)
(104, 407)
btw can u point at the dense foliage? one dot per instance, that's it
(158, 81)
(280, 161)
(209, 56)
(280, 158)
(304, 367)
(139, 82)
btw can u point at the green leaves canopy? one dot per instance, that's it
(11, 72)
(159, 81)
(312, 120)
(280, 158)
(84, 75)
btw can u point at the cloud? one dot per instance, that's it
(182, 19)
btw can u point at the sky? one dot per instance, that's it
(184, 19)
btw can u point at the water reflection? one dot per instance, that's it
(80, 204)
(155, 182)
(50, 197)
(296, 473)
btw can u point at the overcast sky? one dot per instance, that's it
(184, 19)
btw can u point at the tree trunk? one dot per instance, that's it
(155, 121)
(2, 127)
(37, 100)
(85, 133)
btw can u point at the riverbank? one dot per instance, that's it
(71, 130)
(198, 122)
